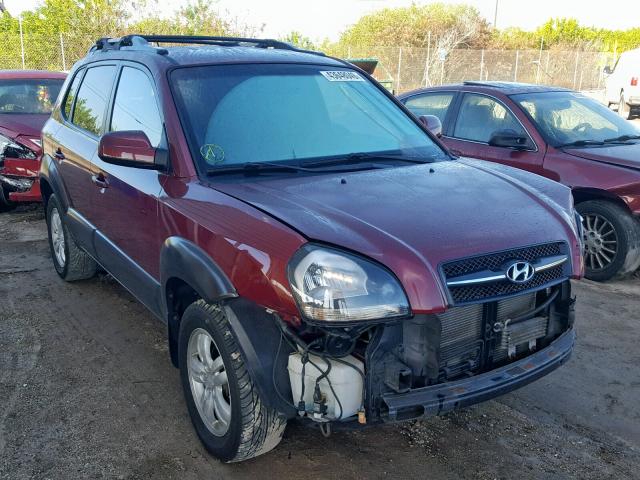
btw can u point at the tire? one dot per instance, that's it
(252, 428)
(604, 223)
(624, 110)
(70, 261)
(5, 203)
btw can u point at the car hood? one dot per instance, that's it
(623, 155)
(27, 125)
(412, 219)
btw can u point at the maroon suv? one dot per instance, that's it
(562, 135)
(314, 251)
(26, 99)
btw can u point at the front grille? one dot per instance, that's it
(501, 288)
(495, 262)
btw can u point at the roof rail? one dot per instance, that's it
(105, 44)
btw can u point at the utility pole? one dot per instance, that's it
(495, 16)
(2, 7)
(21, 40)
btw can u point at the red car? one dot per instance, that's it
(314, 251)
(26, 99)
(562, 135)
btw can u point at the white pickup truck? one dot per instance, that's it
(622, 83)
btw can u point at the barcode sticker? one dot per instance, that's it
(342, 76)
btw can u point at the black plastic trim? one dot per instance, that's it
(443, 398)
(183, 259)
(128, 273)
(259, 337)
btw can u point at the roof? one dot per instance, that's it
(190, 55)
(34, 74)
(506, 88)
(194, 50)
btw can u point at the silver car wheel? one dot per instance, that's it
(57, 238)
(208, 381)
(600, 240)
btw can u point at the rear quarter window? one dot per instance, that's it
(71, 95)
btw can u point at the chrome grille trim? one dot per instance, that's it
(488, 276)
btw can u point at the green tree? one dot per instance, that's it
(410, 26)
(299, 40)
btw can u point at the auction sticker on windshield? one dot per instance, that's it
(342, 76)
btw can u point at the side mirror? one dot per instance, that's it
(130, 148)
(433, 124)
(509, 139)
(607, 70)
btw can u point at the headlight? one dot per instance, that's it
(334, 286)
(11, 149)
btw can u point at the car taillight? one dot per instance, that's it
(634, 81)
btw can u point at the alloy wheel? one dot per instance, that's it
(601, 242)
(209, 382)
(57, 238)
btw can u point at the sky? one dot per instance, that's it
(328, 18)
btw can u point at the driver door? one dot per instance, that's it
(478, 117)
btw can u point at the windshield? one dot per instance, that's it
(29, 95)
(569, 117)
(234, 114)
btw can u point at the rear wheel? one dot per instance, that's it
(624, 110)
(225, 407)
(70, 261)
(611, 238)
(5, 203)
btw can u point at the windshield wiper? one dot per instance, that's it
(255, 168)
(363, 157)
(622, 138)
(581, 143)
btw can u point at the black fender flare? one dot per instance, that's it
(184, 260)
(253, 326)
(49, 173)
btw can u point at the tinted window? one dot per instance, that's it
(567, 117)
(68, 102)
(256, 113)
(135, 106)
(93, 95)
(479, 117)
(430, 104)
(29, 95)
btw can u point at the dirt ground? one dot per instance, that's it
(87, 391)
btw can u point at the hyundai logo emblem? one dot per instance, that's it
(520, 272)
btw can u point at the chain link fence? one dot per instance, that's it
(406, 67)
(409, 68)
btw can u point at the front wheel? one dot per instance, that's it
(225, 407)
(611, 238)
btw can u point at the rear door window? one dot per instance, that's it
(436, 103)
(93, 96)
(135, 106)
(480, 117)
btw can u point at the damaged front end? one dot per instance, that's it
(19, 166)
(506, 327)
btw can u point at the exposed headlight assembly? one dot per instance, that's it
(11, 149)
(330, 285)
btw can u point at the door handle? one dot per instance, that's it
(100, 180)
(59, 155)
